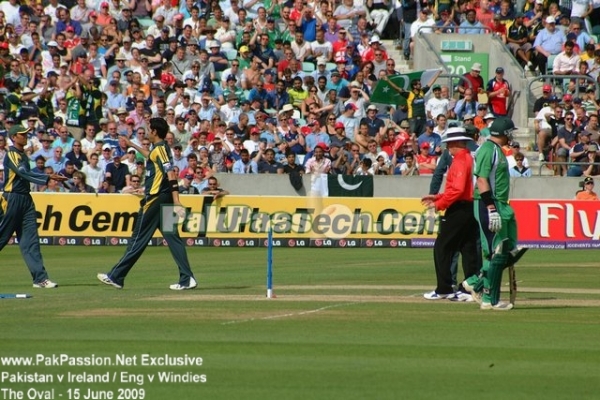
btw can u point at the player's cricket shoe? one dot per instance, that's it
(45, 284)
(461, 297)
(434, 296)
(192, 285)
(501, 306)
(107, 281)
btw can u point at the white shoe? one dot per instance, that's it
(104, 278)
(462, 297)
(193, 284)
(529, 64)
(541, 157)
(434, 296)
(45, 284)
(501, 306)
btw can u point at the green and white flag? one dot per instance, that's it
(349, 186)
(384, 93)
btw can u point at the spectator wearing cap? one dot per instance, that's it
(46, 150)
(375, 53)
(473, 76)
(155, 30)
(103, 16)
(549, 41)
(127, 19)
(431, 138)
(234, 72)
(544, 100)
(497, 28)
(436, 105)
(518, 41)
(359, 98)
(499, 91)
(425, 160)
(231, 111)
(583, 151)
(445, 24)
(115, 99)
(350, 123)
(186, 186)
(216, 56)
(588, 190)
(118, 174)
(377, 126)
(226, 35)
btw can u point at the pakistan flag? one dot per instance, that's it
(350, 186)
(386, 93)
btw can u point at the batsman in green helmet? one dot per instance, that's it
(497, 224)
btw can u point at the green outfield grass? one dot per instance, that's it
(346, 324)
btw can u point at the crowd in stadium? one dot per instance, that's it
(260, 87)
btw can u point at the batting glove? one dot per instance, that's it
(494, 220)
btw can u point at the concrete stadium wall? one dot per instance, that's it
(426, 55)
(395, 186)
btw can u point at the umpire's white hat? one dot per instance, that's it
(455, 134)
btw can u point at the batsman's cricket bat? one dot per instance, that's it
(512, 278)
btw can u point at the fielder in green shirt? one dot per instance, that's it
(497, 223)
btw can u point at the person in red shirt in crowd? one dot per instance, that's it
(426, 161)
(473, 76)
(458, 229)
(374, 46)
(498, 90)
(498, 28)
(340, 44)
(81, 64)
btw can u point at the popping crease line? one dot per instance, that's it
(239, 321)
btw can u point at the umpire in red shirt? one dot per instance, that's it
(458, 229)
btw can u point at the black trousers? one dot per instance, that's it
(17, 215)
(148, 220)
(540, 61)
(458, 231)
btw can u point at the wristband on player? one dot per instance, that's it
(487, 199)
(174, 185)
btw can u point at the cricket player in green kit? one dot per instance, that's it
(498, 227)
(161, 189)
(17, 211)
